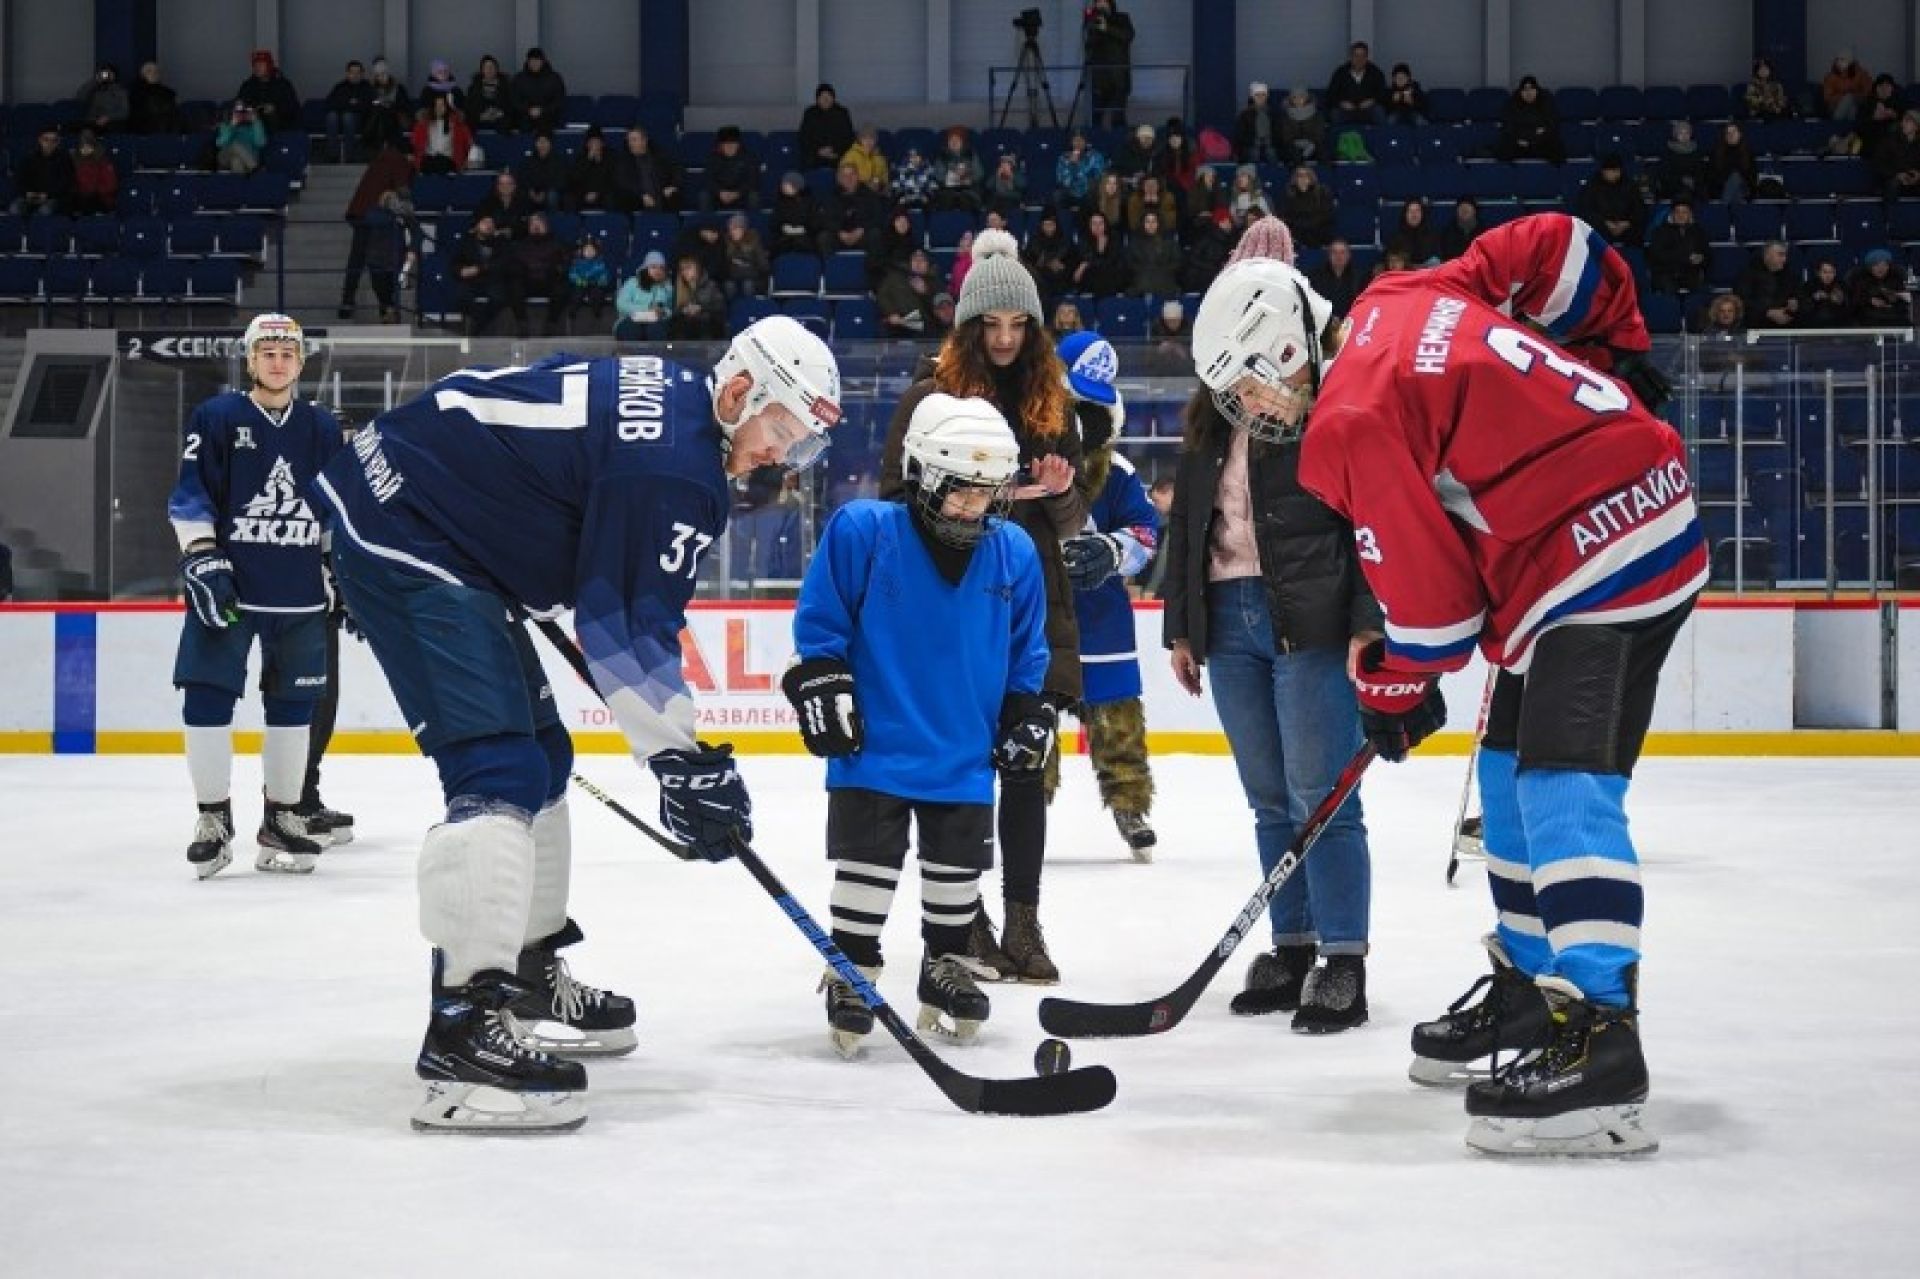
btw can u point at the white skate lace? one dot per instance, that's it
(570, 997)
(967, 964)
(210, 826)
(506, 1031)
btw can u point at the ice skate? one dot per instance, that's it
(1274, 980)
(1468, 840)
(285, 845)
(1334, 997)
(1026, 947)
(323, 823)
(984, 949)
(1511, 1017)
(1580, 1095)
(849, 1020)
(212, 846)
(950, 1004)
(565, 1017)
(480, 1077)
(1138, 832)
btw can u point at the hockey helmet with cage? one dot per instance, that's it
(790, 367)
(1260, 319)
(953, 446)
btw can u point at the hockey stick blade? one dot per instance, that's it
(1073, 1019)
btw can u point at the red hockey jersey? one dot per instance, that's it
(1498, 486)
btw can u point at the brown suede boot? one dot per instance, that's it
(984, 948)
(1027, 948)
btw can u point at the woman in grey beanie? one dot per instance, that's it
(999, 350)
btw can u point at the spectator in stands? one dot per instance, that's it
(1879, 115)
(1138, 157)
(1248, 199)
(1208, 197)
(957, 175)
(1109, 197)
(645, 180)
(1170, 324)
(1724, 316)
(1152, 197)
(490, 98)
(1107, 39)
(589, 279)
(942, 321)
(962, 263)
(1066, 318)
(1824, 301)
(1208, 244)
(1303, 130)
(1050, 256)
(868, 160)
(1007, 185)
(1338, 279)
(645, 302)
(1530, 126)
(704, 239)
(913, 180)
(1896, 161)
(44, 176)
(1677, 251)
(96, 183)
(1103, 270)
(892, 247)
(826, 130)
(240, 140)
(1178, 162)
(539, 92)
(271, 95)
(391, 114)
(1769, 293)
(1307, 207)
(733, 174)
(1078, 170)
(1256, 139)
(152, 106)
(1845, 87)
(1765, 96)
(1452, 240)
(542, 174)
(507, 205)
(1612, 205)
(393, 249)
(748, 268)
(348, 104)
(1357, 91)
(1682, 169)
(1406, 100)
(797, 217)
(441, 84)
(1153, 259)
(441, 139)
(699, 308)
(1732, 172)
(103, 100)
(852, 217)
(905, 297)
(1391, 261)
(479, 273)
(537, 267)
(590, 179)
(1878, 294)
(391, 169)
(1413, 236)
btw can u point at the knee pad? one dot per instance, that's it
(1576, 690)
(287, 712)
(557, 744)
(509, 769)
(204, 706)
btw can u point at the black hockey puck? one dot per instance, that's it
(1052, 1057)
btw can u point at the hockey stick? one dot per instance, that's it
(1072, 1019)
(1070, 1092)
(1473, 760)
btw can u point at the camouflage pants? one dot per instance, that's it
(1117, 742)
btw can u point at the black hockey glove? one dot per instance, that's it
(822, 694)
(1647, 382)
(207, 575)
(703, 802)
(337, 610)
(1026, 733)
(1398, 709)
(1091, 559)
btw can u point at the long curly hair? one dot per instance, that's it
(963, 368)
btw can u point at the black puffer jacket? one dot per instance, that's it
(1315, 593)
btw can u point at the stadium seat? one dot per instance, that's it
(1576, 103)
(945, 228)
(1122, 317)
(796, 275)
(164, 280)
(20, 279)
(97, 236)
(856, 320)
(810, 311)
(1665, 102)
(49, 236)
(116, 278)
(65, 279)
(192, 237)
(845, 276)
(1622, 102)
(214, 280)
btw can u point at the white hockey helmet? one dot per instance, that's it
(271, 326)
(1262, 319)
(790, 367)
(959, 444)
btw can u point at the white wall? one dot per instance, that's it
(316, 40)
(1876, 31)
(743, 53)
(460, 33)
(1567, 42)
(1444, 41)
(49, 49)
(875, 51)
(1289, 42)
(1700, 42)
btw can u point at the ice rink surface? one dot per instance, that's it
(215, 1078)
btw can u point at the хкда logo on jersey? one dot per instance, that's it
(277, 515)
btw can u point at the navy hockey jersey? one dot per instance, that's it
(1109, 662)
(244, 482)
(591, 484)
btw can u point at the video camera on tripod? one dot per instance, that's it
(1030, 73)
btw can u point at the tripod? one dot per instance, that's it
(1031, 74)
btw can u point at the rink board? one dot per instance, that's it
(78, 679)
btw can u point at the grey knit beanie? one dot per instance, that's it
(997, 281)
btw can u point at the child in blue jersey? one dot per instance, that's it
(1122, 532)
(594, 485)
(906, 745)
(250, 566)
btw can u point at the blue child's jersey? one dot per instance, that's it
(931, 661)
(244, 482)
(1109, 663)
(592, 484)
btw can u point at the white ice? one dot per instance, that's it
(215, 1078)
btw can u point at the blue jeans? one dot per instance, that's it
(1292, 724)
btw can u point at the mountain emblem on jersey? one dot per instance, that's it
(277, 515)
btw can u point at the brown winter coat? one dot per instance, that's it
(1047, 520)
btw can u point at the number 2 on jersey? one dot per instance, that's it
(676, 556)
(1593, 391)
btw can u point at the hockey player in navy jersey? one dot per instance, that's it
(250, 566)
(1121, 534)
(906, 746)
(595, 485)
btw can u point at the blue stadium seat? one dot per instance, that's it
(1662, 312)
(1860, 225)
(1356, 224)
(1709, 102)
(192, 237)
(13, 233)
(49, 236)
(1809, 220)
(65, 279)
(1446, 106)
(244, 235)
(1755, 222)
(1903, 224)
(945, 228)
(1725, 263)
(1622, 102)
(1665, 102)
(845, 276)
(796, 275)
(214, 280)
(856, 320)
(812, 312)
(96, 236)
(164, 280)
(1486, 104)
(1577, 103)
(116, 278)
(1714, 473)
(1715, 219)
(20, 279)
(1122, 317)
(433, 193)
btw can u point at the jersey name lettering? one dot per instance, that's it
(1436, 336)
(640, 402)
(382, 478)
(1629, 507)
